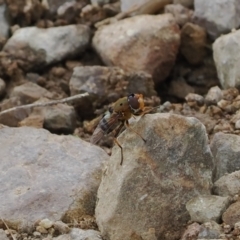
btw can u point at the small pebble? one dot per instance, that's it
(45, 223)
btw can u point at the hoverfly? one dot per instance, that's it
(117, 117)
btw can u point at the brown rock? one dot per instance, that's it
(134, 45)
(192, 231)
(232, 214)
(193, 43)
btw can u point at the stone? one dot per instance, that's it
(135, 46)
(2, 87)
(210, 230)
(191, 232)
(226, 152)
(207, 208)
(61, 227)
(232, 215)
(181, 14)
(106, 85)
(213, 96)
(3, 235)
(30, 92)
(226, 57)
(47, 176)
(77, 234)
(46, 223)
(127, 5)
(185, 3)
(60, 118)
(100, 2)
(193, 43)
(193, 97)
(228, 185)
(217, 16)
(34, 47)
(156, 180)
(4, 21)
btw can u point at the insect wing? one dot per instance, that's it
(106, 125)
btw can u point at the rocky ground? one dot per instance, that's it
(183, 183)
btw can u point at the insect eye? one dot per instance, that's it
(133, 102)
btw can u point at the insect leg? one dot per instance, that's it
(116, 141)
(128, 126)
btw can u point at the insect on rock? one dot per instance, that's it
(117, 117)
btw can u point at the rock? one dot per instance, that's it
(127, 5)
(179, 88)
(226, 57)
(226, 153)
(181, 14)
(185, 3)
(193, 43)
(237, 124)
(217, 16)
(47, 176)
(46, 223)
(77, 234)
(236, 230)
(30, 92)
(2, 87)
(207, 208)
(228, 185)
(4, 21)
(107, 84)
(193, 97)
(135, 46)
(100, 2)
(191, 232)
(156, 179)
(61, 227)
(12, 118)
(33, 120)
(3, 235)
(213, 96)
(60, 118)
(232, 215)
(210, 230)
(34, 47)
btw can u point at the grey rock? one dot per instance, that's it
(3, 235)
(34, 47)
(156, 179)
(61, 227)
(185, 3)
(127, 5)
(47, 176)
(4, 21)
(226, 57)
(228, 185)
(217, 16)
(226, 152)
(30, 92)
(100, 2)
(77, 234)
(210, 230)
(2, 87)
(207, 208)
(106, 85)
(180, 13)
(54, 5)
(60, 118)
(213, 96)
(133, 45)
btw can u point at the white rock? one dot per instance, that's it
(226, 53)
(217, 16)
(126, 5)
(46, 223)
(207, 208)
(45, 46)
